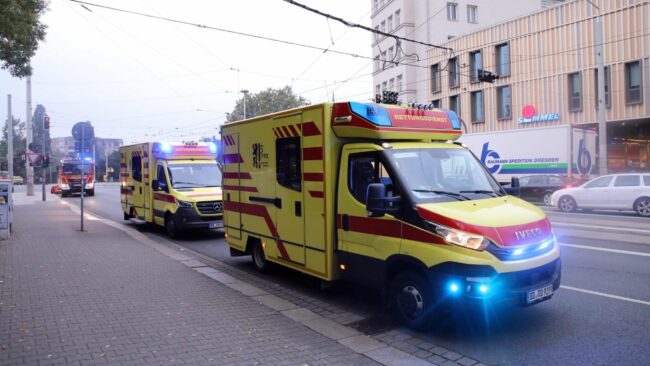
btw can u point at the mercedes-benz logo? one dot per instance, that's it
(217, 206)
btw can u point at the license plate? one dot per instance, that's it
(540, 293)
(215, 225)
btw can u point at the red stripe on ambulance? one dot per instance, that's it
(312, 153)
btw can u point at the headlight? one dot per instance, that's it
(183, 204)
(65, 186)
(461, 238)
(90, 185)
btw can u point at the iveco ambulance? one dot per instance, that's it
(175, 185)
(382, 195)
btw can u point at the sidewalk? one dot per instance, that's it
(103, 297)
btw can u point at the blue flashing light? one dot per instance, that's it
(454, 288)
(377, 115)
(213, 147)
(166, 148)
(544, 245)
(455, 122)
(517, 252)
(483, 289)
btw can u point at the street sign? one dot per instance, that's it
(34, 147)
(33, 157)
(83, 129)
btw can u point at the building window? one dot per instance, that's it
(383, 26)
(452, 9)
(376, 3)
(383, 59)
(608, 83)
(504, 103)
(502, 52)
(471, 14)
(391, 54)
(575, 92)
(136, 168)
(633, 84)
(384, 86)
(399, 83)
(435, 78)
(475, 63)
(391, 84)
(397, 18)
(376, 34)
(287, 162)
(478, 114)
(377, 63)
(378, 89)
(436, 103)
(389, 23)
(454, 71)
(454, 104)
(381, 3)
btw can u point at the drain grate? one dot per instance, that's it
(373, 325)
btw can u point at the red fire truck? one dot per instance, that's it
(70, 176)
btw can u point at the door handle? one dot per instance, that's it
(277, 202)
(345, 222)
(298, 208)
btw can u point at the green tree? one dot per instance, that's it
(20, 32)
(113, 162)
(38, 131)
(265, 102)
(19, 148)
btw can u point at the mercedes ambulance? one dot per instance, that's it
(382, 195)
(175, 185)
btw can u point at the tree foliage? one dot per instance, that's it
(19, 148)
(265, 102)
(20, 32)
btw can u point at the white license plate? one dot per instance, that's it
(540, 293)
(215, 225)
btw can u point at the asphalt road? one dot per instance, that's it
(601, 315)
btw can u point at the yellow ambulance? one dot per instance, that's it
(382, 195)
(175, 185)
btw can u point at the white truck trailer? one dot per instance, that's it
(538, 150)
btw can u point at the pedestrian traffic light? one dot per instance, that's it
(45, 161)
(46, 122)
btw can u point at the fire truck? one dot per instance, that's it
(383, 195)
(70, 176)
(175, 185)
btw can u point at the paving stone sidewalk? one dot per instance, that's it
(101, 297)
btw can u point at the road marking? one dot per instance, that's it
(618, 251)
(602, 228)
(605, 295)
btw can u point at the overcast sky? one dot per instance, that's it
(141, 79)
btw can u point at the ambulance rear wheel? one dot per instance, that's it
(411, 299)
(170, 227)
(259, 258)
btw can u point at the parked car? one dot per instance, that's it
(620, 192)
(540, 187)
(18, 180)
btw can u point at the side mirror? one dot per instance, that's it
(515, 187)
(377, 204)
(154, 185)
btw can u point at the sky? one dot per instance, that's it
(143, 79)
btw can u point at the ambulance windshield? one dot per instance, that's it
(443, 175)
(197, 175)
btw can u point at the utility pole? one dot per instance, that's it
(10, 140)
(245, 92)
(28, 126)
(602, 117)
(43, 154)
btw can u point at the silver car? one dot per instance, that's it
(621, 192)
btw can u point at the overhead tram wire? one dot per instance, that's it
(243, 34)
(366, 28)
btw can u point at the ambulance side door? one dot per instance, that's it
(289, 189)
(137, 198)
(364, 243)
(159, 201)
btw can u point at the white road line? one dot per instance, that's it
(601, 227)
(618, 251)
(605, 295)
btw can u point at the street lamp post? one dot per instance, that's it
(245, 92)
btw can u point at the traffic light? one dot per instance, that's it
(45, 161)
(46, 122)
(377, 98)
(484, 75)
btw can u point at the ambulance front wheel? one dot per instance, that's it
(411, 299)
(259, 258)
(170, 226)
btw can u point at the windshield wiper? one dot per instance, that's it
(458, 196)
(192, 183)
(483, 191)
